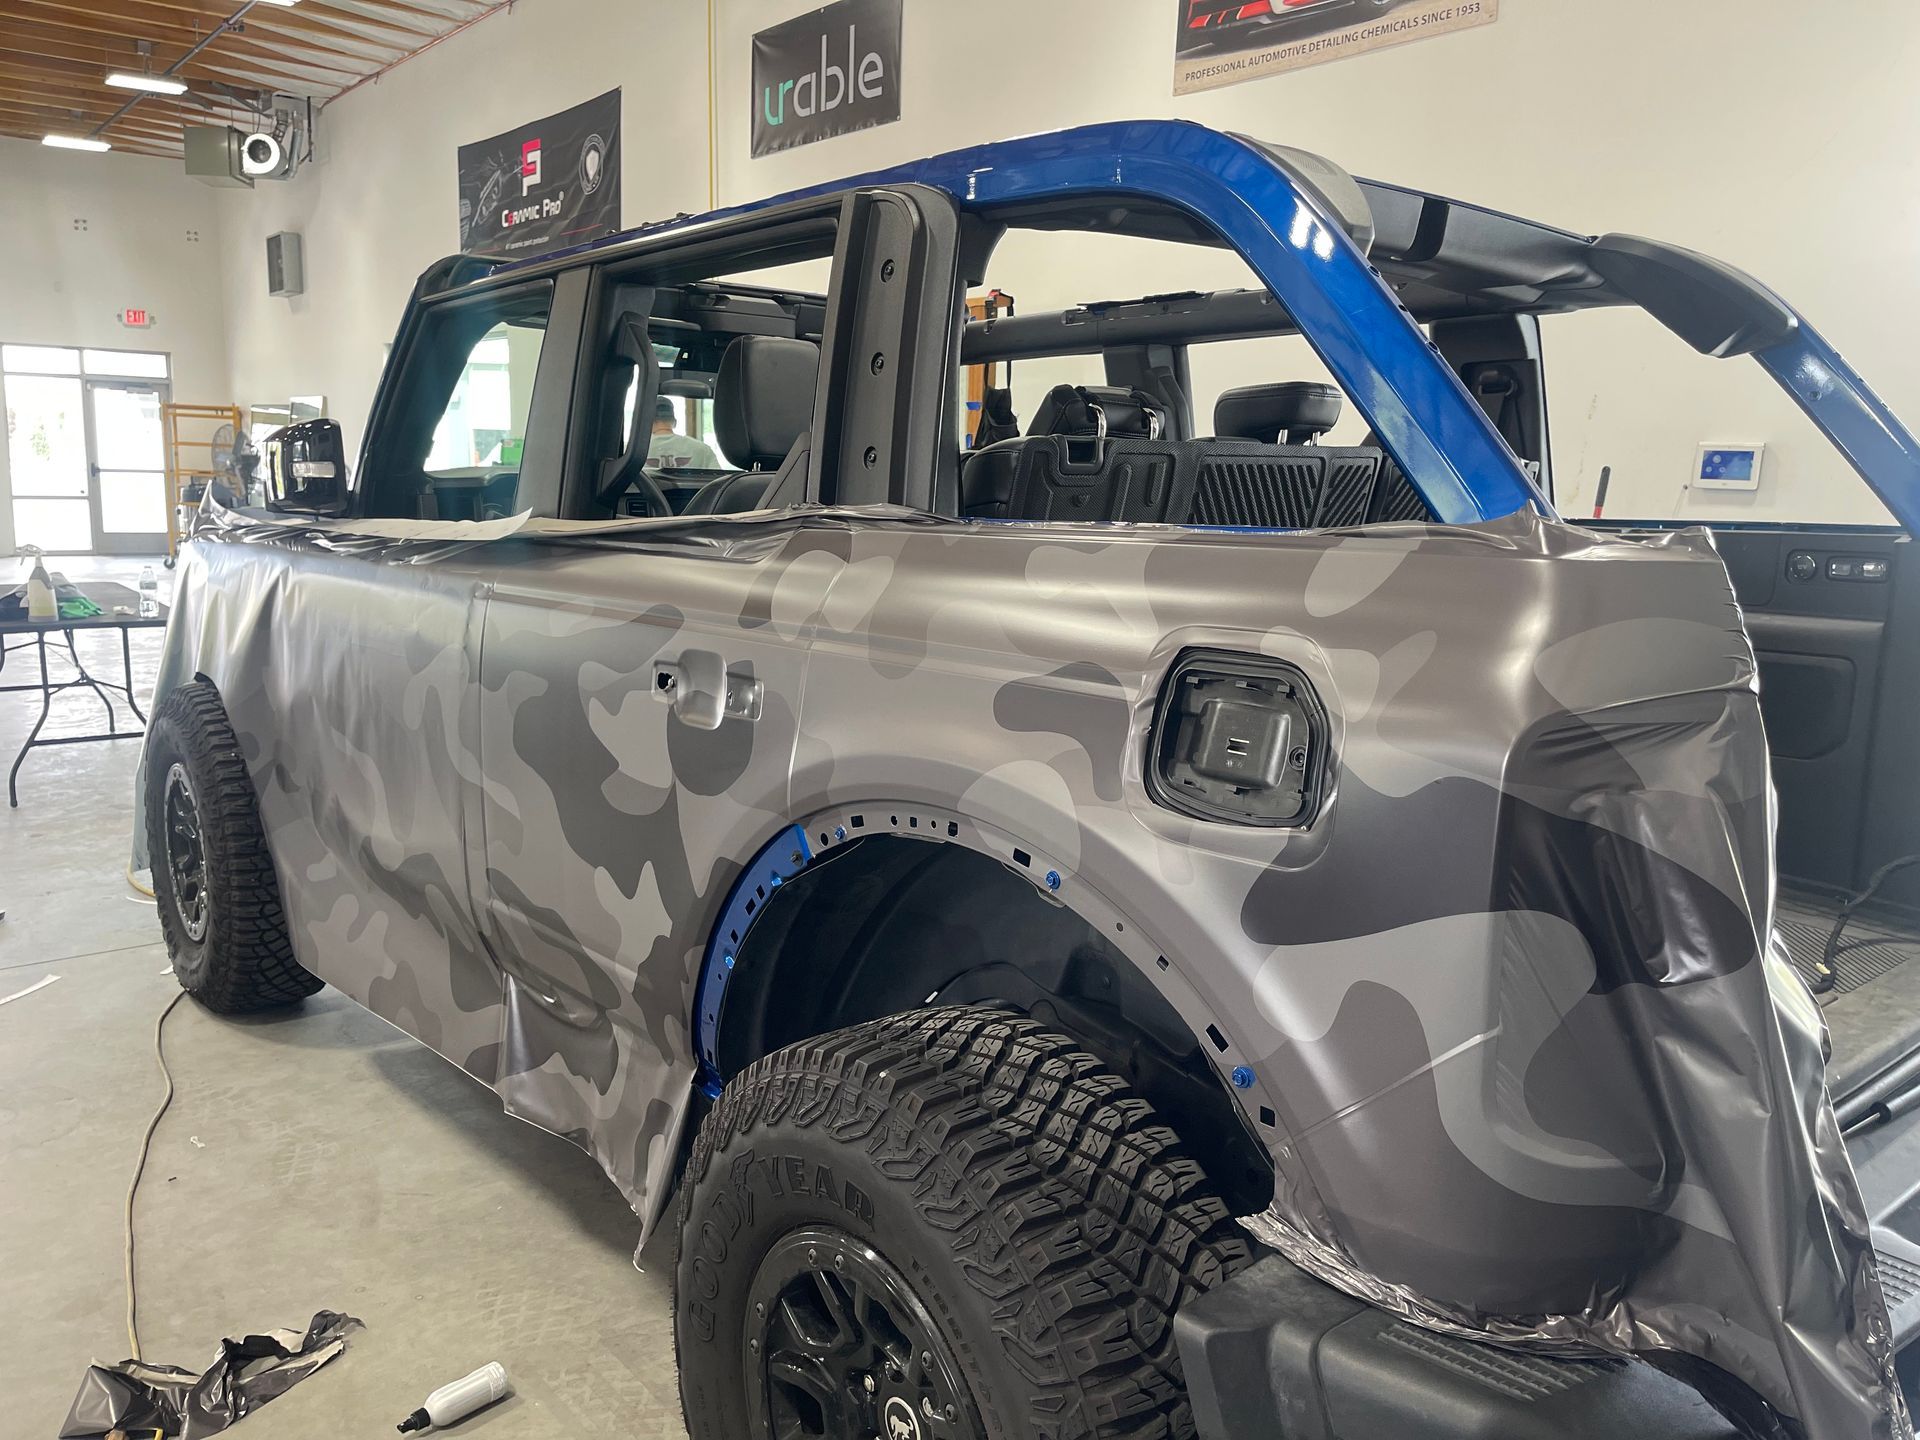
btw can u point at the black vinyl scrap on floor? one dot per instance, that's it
(185, 1405)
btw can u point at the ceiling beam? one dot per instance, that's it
(54, 43)
(309, 18)
(55, 54)
(73, 62)
(135, 19)
(43, 123)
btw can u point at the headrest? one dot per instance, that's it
(1069, 410)
(1296, 411)
(763, 398)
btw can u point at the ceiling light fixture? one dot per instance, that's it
(74, 142)
(283, 4)
(152, 84)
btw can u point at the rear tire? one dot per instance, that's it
(947, 1208)
(213, 879)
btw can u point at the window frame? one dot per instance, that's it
(400, 416)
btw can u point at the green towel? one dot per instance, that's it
(78, 607)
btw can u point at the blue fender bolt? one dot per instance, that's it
(1242, 1078)
(839, 832)
(1053, 879)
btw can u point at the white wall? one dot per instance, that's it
(1775, 134)
(380, 203)
(62, 285)
(1779, 136)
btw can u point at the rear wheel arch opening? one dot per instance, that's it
(885, 923)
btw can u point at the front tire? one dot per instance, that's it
(213, 879)
(945, 1224)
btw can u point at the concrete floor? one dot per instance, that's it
(314, 1160)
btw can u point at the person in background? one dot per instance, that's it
(670, 449)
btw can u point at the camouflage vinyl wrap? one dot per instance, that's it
(1524, 1059)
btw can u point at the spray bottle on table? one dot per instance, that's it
(41, 604)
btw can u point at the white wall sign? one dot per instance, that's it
(1219, 43)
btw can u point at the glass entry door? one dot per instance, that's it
(86, 452)
(129, 467)
(47, 462)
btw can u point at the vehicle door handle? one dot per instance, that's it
(704, 691)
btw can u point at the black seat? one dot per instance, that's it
(1297, 412)
(1074, 427)
(1264, 470)
(762, 417)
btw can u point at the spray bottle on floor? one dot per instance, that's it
(459, 1399)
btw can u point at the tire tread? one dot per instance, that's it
(250, 964)
(1065, 1204)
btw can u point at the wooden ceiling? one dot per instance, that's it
(55, 56)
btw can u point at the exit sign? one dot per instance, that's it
(136, 319)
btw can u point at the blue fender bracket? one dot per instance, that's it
(779, 860)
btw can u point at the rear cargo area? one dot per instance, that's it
(1872, 1007)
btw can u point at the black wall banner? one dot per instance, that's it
(543, 186)
(829, 72)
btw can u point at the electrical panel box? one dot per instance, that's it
(286, 264)
(214, 155)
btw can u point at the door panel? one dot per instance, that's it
(1818, 605)
(618, 809)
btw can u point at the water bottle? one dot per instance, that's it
(149, 594)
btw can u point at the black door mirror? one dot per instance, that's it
(306, 467)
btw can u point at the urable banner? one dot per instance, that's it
(829, 72)
(542, 186)
(1222, 44)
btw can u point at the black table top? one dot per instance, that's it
(109, 595)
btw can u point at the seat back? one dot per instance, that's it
(763, 398)
(763, 419)
(1243, 478)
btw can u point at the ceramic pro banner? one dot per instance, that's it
(545, 185)
(828, 72)
(1220, 43)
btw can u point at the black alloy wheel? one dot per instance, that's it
(844, 1347)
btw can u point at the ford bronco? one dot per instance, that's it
(1166, 918)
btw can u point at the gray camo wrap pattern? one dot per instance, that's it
(1533, 1071)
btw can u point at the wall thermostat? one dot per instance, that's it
(1728, 467)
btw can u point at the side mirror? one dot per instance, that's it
(306, 467)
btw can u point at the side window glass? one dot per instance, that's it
(485, 423)
(453, 445)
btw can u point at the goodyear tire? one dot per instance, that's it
(945, 1224)
(213, 879)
